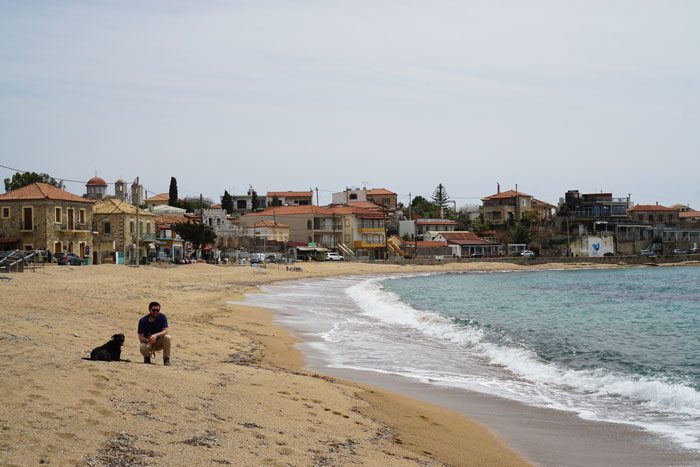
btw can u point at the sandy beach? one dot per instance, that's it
(236, 393)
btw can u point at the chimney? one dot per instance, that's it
(657, 203)
(498, 188)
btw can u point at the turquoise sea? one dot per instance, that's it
(619, 345)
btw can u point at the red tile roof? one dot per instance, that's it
(96, 181)
(375, 212)
(540, 203)
(465, 238)
(170, 219)
(158, 197)
(290, 194)
(650, 208)
(435, 222)
(689, 214)
(365, 205)
(506, 195)
(380, 191)
(39, 191)
(269, 223)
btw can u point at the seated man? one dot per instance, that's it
(153, 334)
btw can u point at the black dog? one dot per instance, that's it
(109, 352)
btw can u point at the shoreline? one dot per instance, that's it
(231, 395)
(530, 429)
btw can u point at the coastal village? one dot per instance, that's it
(122, 223)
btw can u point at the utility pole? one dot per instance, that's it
(317, 201)
(201, 223)
(138, 231)
(409, 206)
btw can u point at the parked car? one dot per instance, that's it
(527, 253)
(679, 251)
(646, 252)
(158, 256)
(333, 256)
(477, 255)
(693, 251)
(255, 258)
(69, 258)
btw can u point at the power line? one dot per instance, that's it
(62, 179)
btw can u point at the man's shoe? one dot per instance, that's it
(166, 361)
(146, 359)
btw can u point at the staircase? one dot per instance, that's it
(393, 243)
(345, 249)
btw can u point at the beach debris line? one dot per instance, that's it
(121, 451)
(243, 358)
(208, 439)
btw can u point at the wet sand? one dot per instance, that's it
(541, 435)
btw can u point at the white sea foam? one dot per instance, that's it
(593, 394)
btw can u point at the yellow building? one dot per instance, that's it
(115, 232)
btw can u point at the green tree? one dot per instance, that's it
(21, 179)
(276, 201)
(172, 193)
(424, 207)
(227, 202)
(520, 234)
(193, 204)
(197, 234)
(440, 196)
(254, 200)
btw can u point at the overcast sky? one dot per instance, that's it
(287, 95)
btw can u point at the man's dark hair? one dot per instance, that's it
(152, 304)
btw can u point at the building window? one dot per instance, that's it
(28, 218)
(347, 238)
(131, 227)
(148, 227)
(5, 212)
(58, 215)
(81, 216)
(241, 204)
(309, 224)
(107, 227)
(353, 196)
(28, 247)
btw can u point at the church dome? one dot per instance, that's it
(96, 181)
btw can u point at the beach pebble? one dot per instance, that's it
(75, 334)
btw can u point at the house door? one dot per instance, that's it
(71, 219)
(82, 249)
(57, 247)
(70, 247)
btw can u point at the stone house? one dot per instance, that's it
(115, 232)
(383, 197)
(654, 214)
(40, 216)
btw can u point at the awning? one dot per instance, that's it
(8, 240)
